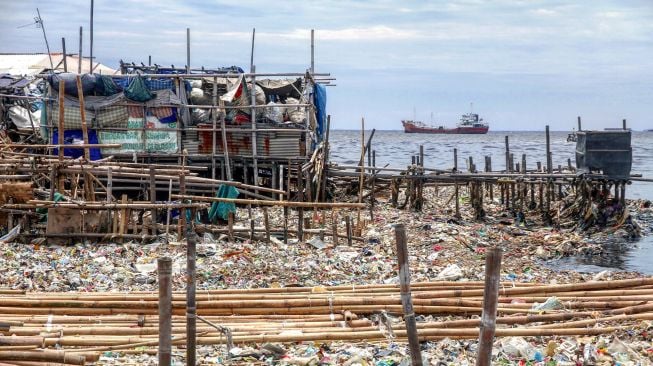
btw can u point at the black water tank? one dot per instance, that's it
(604, 151)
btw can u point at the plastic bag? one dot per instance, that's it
(138, 91)
(451, 273)
(552, 303)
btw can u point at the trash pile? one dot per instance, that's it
(303, 325)
(335, 317)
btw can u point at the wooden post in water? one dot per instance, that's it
(489, 170)
(511, 157)
(421, 155)
(164, 269)
(549, 163)
(490, 301)
(406, 299)
(455, 160)
(508, 170)
(361, 181)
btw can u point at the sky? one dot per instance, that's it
(523, 64)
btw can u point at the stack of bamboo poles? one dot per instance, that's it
(83, 324)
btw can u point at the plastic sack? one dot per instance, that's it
(274, 112)
(137, 90)
(295, 114)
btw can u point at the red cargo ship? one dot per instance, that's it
(469, 124)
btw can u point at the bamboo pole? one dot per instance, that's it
(324, 205)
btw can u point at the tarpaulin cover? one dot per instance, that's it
(74, 137)
(100, 111)
(320, 99)
(223, 209)
(138, 90)
(160, 84)
(286, 88)
(105, 86)
(70, 83)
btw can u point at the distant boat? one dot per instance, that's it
(469, 124)
(649, 130)
(572, 137)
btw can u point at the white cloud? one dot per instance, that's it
(544, 12)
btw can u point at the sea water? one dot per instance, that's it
(395, 148)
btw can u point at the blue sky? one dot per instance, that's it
(523, 64)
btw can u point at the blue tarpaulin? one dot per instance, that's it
(320, 100)
(72, 137)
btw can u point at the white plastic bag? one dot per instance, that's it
(451, 273)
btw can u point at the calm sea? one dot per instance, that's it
(395, 148)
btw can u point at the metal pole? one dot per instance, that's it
(251, 55)
(149, 60)
(47, 46)
(490, 300)
(164, 267)
(65, 58)
(254, 139)
(90, 60)
(579, 126)
(191, 321)
(312, 51)
(624, 123)
(406, 299)
(455, 160)
(79, 56)
(188, 50)
(214, 120)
